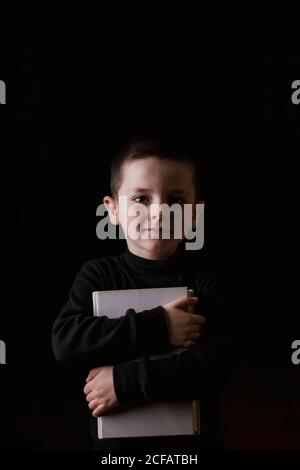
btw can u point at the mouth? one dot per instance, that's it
(159, 231)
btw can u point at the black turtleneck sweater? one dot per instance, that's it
(80, 338)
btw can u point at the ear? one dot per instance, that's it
(112, 208)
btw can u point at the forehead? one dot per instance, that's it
(152, 172)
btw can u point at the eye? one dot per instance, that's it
(141, 199)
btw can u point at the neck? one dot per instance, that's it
(155, 256)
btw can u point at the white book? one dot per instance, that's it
(156, 418)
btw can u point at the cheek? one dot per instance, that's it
(189, 215)
(177, 221)
(134, 222)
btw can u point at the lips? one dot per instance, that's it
(160, 231)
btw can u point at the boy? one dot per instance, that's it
(146, 173)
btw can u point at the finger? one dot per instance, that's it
(197, 319)
(90, 396)
(195, 335)
(88, 388)
(99, 410)
(93, 404)
(198, 330)
(191, 332)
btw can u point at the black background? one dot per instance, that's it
(69, 107)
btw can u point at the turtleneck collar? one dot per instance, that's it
(165, 266)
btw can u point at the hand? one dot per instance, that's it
(100, 391)
(184, 328)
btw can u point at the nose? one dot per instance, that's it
(159, 217)
(156, 211)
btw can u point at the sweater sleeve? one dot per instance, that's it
(78, 337)
(185, 374)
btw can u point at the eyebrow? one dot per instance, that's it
(177, 191)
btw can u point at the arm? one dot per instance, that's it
(187, 374)
(180, 376)
(78, 337)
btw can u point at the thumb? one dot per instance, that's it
(185, 301)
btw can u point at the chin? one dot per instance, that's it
(160, 244)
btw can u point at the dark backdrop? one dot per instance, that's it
(70, 107)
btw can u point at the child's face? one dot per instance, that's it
(146, 184)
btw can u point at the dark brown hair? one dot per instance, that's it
(162, 147)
